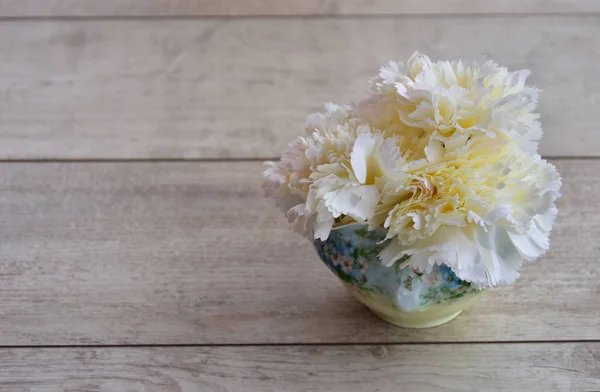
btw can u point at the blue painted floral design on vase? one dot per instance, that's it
(401, 296)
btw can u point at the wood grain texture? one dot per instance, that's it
(191, 253)
(242, 88)
(87, 8)
(444, 368)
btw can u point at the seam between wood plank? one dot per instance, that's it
(298, 17)
(333, 344)
(138, 160)
(261, 159)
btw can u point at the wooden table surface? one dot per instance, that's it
(138, 253)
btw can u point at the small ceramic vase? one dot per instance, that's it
(402, 296)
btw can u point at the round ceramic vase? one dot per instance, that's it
(402, 296)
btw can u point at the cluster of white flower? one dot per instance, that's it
(441, 154)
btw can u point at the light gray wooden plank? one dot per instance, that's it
(573, 367)
(86, 8)
(242, 88)
(184, 253)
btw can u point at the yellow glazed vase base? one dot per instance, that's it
(417, 324)
(432, 316)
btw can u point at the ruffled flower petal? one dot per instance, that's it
(481, 210)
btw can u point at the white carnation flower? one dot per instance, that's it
(288, 181)
(453, 101)
(348, 186)
(332, 174)
(482, 210)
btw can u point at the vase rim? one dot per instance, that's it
(348, 225)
